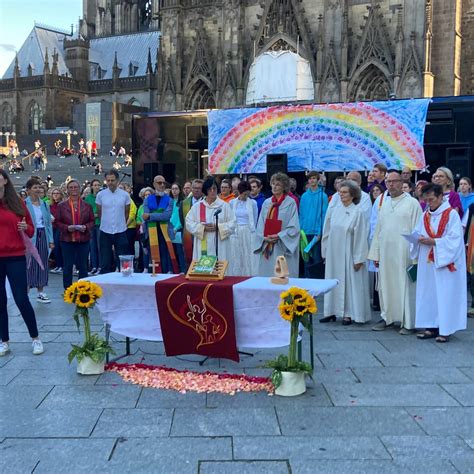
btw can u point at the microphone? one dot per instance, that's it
(126, 174)
(217, 212)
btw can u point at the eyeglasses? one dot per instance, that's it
(390, 181)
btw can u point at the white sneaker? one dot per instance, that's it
(42, 298)
(37, 347)
(4, 348)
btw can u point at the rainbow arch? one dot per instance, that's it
(344, 136)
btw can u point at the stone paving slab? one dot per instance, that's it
(66, 376)
(133, 423)
(346, 421)
(350, 346)
(7, 375)
(389, 395)
(470, 441)
(445, 421)
(70, 422)
(243, 467)
(420, 358)
(365, 335)
(42, 452)
(410, 375)
(308, 447)
(12, 397)
(153, 398)
(225, 422)
(463, 393)
(86, 397)
(25, 337)
(320, 375)
(426, 447)
(359, 359)
(159, 450)
(51, 349)
(464, 464)
(428, 466)
(315, 395)
(110, 378)
(469, 372)
(43, 361)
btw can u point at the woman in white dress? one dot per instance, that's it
(243, 261)
(345, 248)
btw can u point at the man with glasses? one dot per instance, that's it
(398, 214)
(157, 210)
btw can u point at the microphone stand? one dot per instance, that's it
(216, 215)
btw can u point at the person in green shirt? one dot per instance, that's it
(96, 186)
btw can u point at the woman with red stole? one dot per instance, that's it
(278, 229)
(201, 223)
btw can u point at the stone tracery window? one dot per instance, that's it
(371, 85)
(6, 117)
(200, 97)
(36, 117)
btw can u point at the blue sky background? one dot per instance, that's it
(18, 17)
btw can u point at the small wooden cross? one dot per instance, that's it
(153, 266)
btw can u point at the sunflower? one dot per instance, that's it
(286, 311)
(85, 300)
(83, 294)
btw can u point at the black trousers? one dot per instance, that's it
(74, 253)
(118, 242)
(15, 269)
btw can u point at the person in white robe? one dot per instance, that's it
(243, 262)
(441, 293)
(201, 223)
(390, 251)
(286, 242)
(365, 204)
(345, 248)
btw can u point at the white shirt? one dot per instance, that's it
(112, 220)
(38, 217)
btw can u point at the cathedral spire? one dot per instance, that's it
(149, 67)
(46, 63)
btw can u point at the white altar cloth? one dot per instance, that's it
(128, 305)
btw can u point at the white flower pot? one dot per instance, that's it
(292, 384)
(88, 367)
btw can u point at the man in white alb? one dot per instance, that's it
(398, 214)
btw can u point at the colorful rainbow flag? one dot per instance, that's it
(333, 137)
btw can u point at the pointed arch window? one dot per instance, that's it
(36, 118)
(7, 117)
(372, 84)
(200, 97)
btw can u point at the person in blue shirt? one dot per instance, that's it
(256, 192)
(313, 207)
(465, 193)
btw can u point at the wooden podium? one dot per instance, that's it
(217, 274)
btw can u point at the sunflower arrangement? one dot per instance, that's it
(84, 294)
(297, 307)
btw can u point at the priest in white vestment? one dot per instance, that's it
(201, 223)
(390, 251)
(274, 243)
(441, 293)
(345, 248)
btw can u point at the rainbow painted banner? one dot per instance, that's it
(334, 137)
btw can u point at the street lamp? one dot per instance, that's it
(68, 134)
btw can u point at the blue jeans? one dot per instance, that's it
(74, 253)
(15, 269)
(106, 241)
(94, 247)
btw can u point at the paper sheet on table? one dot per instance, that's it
(413, 238)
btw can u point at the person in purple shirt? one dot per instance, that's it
(378, 173)
(444, 177)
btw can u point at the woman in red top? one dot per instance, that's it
(14, 219)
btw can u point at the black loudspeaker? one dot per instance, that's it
(169, 172)
(277, 163)
(458, 160)
(150, 170)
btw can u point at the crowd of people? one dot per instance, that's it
(395, 245)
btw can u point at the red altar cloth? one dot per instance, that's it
(197, 317)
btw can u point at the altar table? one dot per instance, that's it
(128, 305)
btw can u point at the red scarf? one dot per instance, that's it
(76, 218)
(441, 228)
(276, 203)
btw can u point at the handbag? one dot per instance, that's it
(412, 272)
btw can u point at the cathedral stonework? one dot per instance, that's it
(198, 54)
